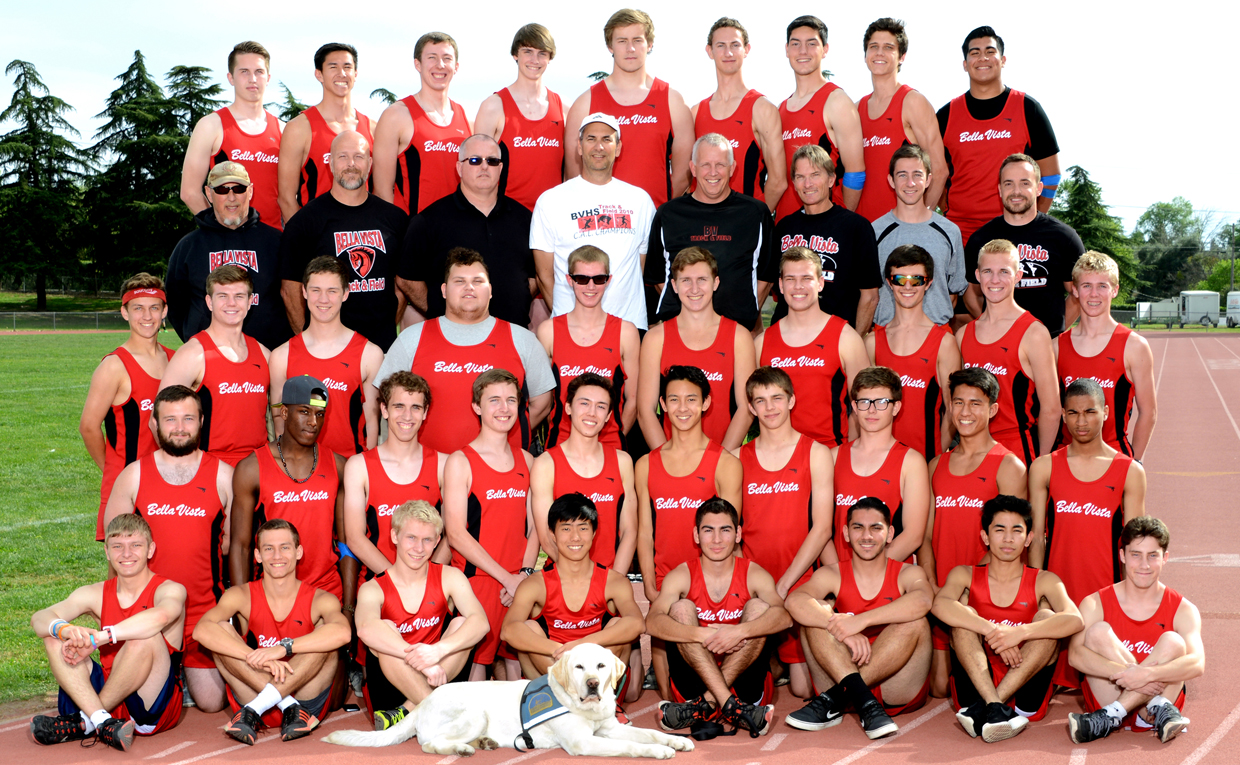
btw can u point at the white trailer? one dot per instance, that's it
(1199, 307)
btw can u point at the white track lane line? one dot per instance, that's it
(170, 750)
(1218, 392)
(1077, 757)
(526, 756)
(883, 741)
(1226, 725)
(776, 740)
(642, 711)
(225, 750)
(1161, 364)
(449, 759)
(1220, 342)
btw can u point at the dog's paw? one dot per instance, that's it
(680, 743)
(487, 744)
(661, 752)
(464, 750)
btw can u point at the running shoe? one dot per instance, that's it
(357, 681)
(819, 713)
(1002, 723)
(1091, 726)
(297, 723)
(48, 730)
(875, 721)
(386, 718)
(116, 733)
(678, 715)
(621, 717)
(1169, 722)
(244, 726)
(650, 682)
(972, 717)
(753, 718)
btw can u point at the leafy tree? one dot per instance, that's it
(1168, 237)
(597, 76)
(1079, 204)
(290, 107)
(193, 95)
(383, 93)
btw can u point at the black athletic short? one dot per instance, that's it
(1033, 698)
(752, 686)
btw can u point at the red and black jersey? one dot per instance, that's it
(234, 400)
(674, 501)
(111, 613)
(975, 149)
(718, 362)
(881, 137)
(533, 150)
(750, 174)
(344, 424)
(426, 167)
(384, 495)
(605, 490)
(1139, 637)
(646, 130)
(316, 174)
(427, 623)
(883, 483)
(920, 420)
(1083, 524)
(1020, 611)
(807, 125)
(570, 361)
(260, 155)
(728, 609)
(311, 507)
(850, 601)
(818, 380)
(958, 501)
(1018, 402)
(495, 514)
(778, 508)
(561, 623)
(264, 630)
(1107, 369)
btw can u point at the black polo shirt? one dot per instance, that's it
(503, 239)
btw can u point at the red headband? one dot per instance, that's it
(143, 292)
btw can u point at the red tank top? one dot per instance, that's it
(728, 609)
(718, 362)
(495, 514)
(450, 370)
(975, 149)
(265, 630)
(881, 137)
(344, 424)
(674, 501)
(817, 378)
(112, 613)
(426, 625)
(311, 507)
(572, 360)
(803, 126)
(750, 174)
(1017, 399)
(187, 529)
(561, 623)
(234, 400)
(883, 483)
(1106, 369)
(385, 495)
(605, 490)
(1020, 611)
(316, 174)
(849, 599)
(533, 150)
(260, 154)
(920, 421)
(1139, 637)
(958, 501)
(1083, 524)
(646, 132)
(426, 168)
(778, 508)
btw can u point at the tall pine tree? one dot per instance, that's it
(1079, 204)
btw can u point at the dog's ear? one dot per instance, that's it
(618, 672)
(560, 671)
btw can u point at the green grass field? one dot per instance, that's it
(25, 301)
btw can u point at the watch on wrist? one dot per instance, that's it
(288, 646)
(526, 570)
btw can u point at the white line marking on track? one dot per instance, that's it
(225, 750)
(775, 741)
(45, 521)
(883, 741)
(1077, 757)
(526, 756)
(1233, 353)
(1163, 363)
(1221, 400)
(16, 727)
(448, 759)
(643, 710)
(170, 750)
(1226, 725)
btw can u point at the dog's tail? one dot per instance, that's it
(400, 732)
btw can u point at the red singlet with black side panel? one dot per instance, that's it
(561, 623)
(605, 490)
(384, 495)
(496, 512)
(316, 174)
(674, 501)
(728, 609)
(234, 401)
(1020, 611)
(426, 167)
(533, 150)
(958, 501)
(818, 380)
(803, 126)
(920, 421)
(311, 507)
(344, 424)
(1014, 425)
(646, 133)
(260, 155)
(450, 371)
(778, 509)
(881, 137)
(1106, 369)
(187, 528)
(750, 174)
(125, 427)
(975, 149)
(883, 483)
(111, 612)
(427, 623)
(718, 362)
(570, 361)
(1083, 524)
(849, 599)
(265, 630)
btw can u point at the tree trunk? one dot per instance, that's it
(40, 292)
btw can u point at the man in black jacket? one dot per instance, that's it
(228, 232)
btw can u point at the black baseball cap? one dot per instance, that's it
(304, 390)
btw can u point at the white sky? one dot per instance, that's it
(1136, 91)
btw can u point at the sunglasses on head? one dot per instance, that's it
(229, 188)
(491, 161)
(583, 280)
(907, 280)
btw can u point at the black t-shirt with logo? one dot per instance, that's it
(845, 242)
(366, 239)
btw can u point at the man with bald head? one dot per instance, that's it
(360, 230)
(477, 216)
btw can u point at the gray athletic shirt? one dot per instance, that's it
(538, 375)
(941, 238)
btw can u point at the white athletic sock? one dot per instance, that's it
(1022, 712)
(286, 702)
(1116, 710)
(94, 721)
(267, 698)
(1156, 702)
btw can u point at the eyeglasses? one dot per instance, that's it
(583, 280)
(491, 161)
(230, 188)
(881, 404)
(907, 280)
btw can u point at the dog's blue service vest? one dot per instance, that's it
(538, 705)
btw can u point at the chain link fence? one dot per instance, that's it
(17, 321)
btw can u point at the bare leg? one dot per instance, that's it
(900, 661)
(829, 655)
(658, 659)
(141, 666)
(799, 680)
(73, 679)
(312, 674)
(818, 676)
(1034, 656)
(736, 663)
(206, 686)
(940, 672)
(699, 659)
(534, 664)
(637, 674)
(1101, 639)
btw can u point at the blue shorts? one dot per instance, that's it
(164, 713)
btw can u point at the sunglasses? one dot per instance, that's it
(491, 161)
(230, 188)
(583, 280)
(907, 280)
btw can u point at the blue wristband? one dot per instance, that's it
(1048, 193)
(1051, 180)
(344, 550)
(854, 180)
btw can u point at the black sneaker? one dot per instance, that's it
(1169, 722)
(297, 722)
(819, 713)
(972, 717)
(116, 734)
(753, 718)
(244, 726)
(1092, 726)
(875, 721)
(678, 715)
(48, 730)
(650, 682)
(1002, 723)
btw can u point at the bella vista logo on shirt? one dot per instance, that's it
(247, 258)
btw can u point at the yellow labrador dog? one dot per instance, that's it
(575, 712)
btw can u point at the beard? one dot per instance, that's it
(1016, 205)
(351, 181)
(177, 448)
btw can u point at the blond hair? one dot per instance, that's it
(998, 246)
(801, 255)
(417, 510)
(588, 253)
(627, 17)
(1094, 262)
(126, 524)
